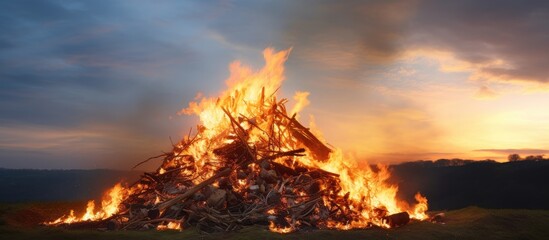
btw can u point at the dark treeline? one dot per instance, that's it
(454, 184)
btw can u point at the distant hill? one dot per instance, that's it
(22, 185)
(448, 184)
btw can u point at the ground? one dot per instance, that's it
(19, 221)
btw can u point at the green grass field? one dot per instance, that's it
(19, 221)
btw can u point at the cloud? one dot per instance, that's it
(120, 69)
(485, 93)
(347, 36)
(504, 40)
(93, 78)
(338, 35)
(33, 138)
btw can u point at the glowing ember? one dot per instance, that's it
(169, 226)
(274, 228)
(250, 160)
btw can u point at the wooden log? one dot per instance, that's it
(153, 213)
(193, 190)
(217, 199)
(296, 152)
(284, 170)
(113, 225)
(87, 224)
(320, 151)
(397, 220)
(438, 218)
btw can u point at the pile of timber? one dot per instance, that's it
(250, 182)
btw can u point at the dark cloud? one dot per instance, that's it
(484, 32)
(103, 69)
(65, 55)
(505, 40)
(35, 10)
(367, 31)
(340, 35)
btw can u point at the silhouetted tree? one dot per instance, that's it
(513, 157)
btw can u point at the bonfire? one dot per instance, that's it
(250, 161)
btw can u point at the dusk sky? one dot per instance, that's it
(98, 84)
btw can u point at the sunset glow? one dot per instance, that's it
(407, 83)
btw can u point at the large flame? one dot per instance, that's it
(246, 95)
(252, 95)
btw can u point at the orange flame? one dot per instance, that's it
(248, 95)
(109, 206)
(274, 228)
(252, 96)
(169, 226)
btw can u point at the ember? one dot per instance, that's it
(252, 162)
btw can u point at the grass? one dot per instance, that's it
(19, 221)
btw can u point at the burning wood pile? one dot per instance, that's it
(252, 162)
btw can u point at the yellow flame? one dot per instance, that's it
(109, 206)
(274, 228)
(301, 102)
(420, 209)
(251, 95)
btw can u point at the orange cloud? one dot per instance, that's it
(485, 93)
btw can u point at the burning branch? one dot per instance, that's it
(250, 163)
